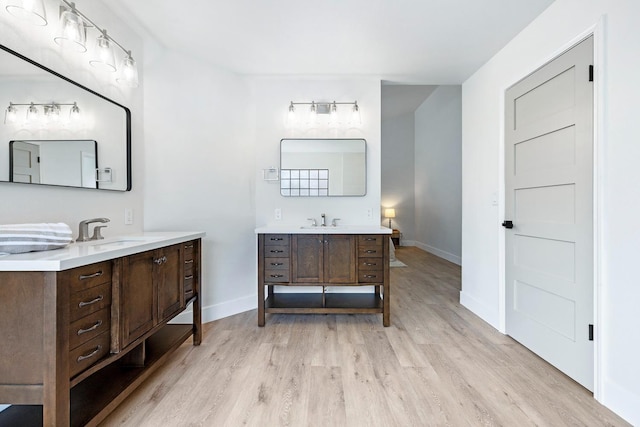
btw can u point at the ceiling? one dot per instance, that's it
(401, 41)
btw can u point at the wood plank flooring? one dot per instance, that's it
(437, 365)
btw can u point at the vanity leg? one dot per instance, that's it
(197, 304)
(386, 302)
(261, 280)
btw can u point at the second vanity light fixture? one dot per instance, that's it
(72, 35)
(51, 112)
(330, 110)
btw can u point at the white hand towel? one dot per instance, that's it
(19, 238)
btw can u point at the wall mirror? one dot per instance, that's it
(323, 167)
(54, 131)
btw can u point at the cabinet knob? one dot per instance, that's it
(160, 260)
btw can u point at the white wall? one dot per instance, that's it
(398, 177)
(271, 97)
(200, 172)
(25, 203)
(438, 175)
(618, 207)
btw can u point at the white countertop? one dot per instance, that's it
(340, 229)
(85, 253)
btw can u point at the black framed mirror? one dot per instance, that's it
(43, 108)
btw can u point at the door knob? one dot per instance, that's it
(507, 224)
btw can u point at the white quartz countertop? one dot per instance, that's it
(85, 253)
(340, 229)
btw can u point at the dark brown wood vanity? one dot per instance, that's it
(77, 342)
(324, 260)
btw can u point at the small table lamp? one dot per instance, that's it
(390, 213)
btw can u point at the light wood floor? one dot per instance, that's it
(438, 364)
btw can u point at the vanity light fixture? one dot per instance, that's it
(51, 110)
(128, 72)
(105, 58)
(32, 11)
(330, 109)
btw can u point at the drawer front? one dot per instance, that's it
(188, 286)
(88, 276)
(89, 327)
(371, 239)
(370, 264)
(276, 240)
(370, 252)
(275, 276)
(88, 353)
(89, 301)
(276, 251)
(277, 264)
(370, 276)
(188, 250)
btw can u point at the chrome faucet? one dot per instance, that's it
(313, 222)
(334, 222)
(83, 229)
(323, 223)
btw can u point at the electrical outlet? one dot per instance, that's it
(277, 213)
(369, 213)
(128, 216)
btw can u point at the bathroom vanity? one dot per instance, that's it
(328, 262)
(82, 327)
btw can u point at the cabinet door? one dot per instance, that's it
(138, 296)
(307, 258)
(168, 278)
(340, 258)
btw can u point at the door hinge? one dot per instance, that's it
(590, 73)
(590, 332)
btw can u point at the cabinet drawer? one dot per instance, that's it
(188, 250)
(276, 240)
(370, 276)
(276, 251)
(87, 276)
(276, 275)
(88, 353)
(370, 251)
(188, 286)
(370, 264)
(89, 301)
(371, 240)
(86, 328)
(277, 264)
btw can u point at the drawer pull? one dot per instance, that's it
(277, 263)
(90, 276)
(277, 238)
(89, 355)
(93, 301)
(370, 239)
(370, 264)
(276, 276)
(276, 251)
(93, 328)
(371, 251)
(188, 246)
(189, 261)
(189, 277)
(370, 276)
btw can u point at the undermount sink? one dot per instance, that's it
(117, 241)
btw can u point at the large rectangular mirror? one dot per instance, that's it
(323, 167)
(83, 138)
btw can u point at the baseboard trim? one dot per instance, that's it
(221, 310)
(435, 251)
(480, 309)
(622, 401)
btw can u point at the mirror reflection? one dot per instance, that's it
(323, 167)
(45, 113)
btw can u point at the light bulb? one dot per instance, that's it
(73, 34)
(104, 58)
(313, 113)
(291, 116)
(128, 72)
(74, 113)
(33, 115)
(333, 114)
(355, 115)
(11, 115)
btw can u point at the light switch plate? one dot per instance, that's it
(369, 213)
(128, 216)
(277, 214)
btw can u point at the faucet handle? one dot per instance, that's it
(313, 222)
(96, 232)
(334, 222)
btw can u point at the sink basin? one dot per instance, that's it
(320, 228)
(117, 241)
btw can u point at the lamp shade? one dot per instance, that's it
(390, 213)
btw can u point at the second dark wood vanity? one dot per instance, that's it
(329, 261)
(78, 341)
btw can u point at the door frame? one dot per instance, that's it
(597, 30)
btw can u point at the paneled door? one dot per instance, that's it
(549, 212)
(26, 163)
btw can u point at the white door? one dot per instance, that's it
(549, 199)
(25, 162)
